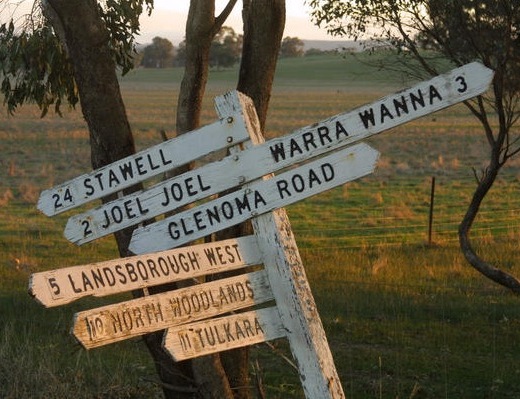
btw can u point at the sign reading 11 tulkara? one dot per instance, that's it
(209, 317)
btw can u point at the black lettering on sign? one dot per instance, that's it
(225, 331)
(54, 286)
(86, 228)
(213, 215)
(129, 210)
(132, 318)
(299, 183)
(320, 136)
(114, 176)
(222, 255)
(462, 82)
(95, 327)
(177, 191)
(401, 105)
(59, 201)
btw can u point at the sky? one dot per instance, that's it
(168, 20)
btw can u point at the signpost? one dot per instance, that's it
(189, 313)
(143, 165)
(295, 303)
(259, 197)
(301, 145)
(224, 333)
(65, 285)
(140, 316)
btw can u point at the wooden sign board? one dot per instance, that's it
(143, 165)
(301, 145)
(65, 285)
(258, 198)
(224, 333)
(140, 316)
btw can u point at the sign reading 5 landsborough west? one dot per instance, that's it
(65, 285)
(326, 157)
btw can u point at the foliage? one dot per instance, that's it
(291, 47)
(34, 66)
(224, 52)
(225, 48)
(122, 21)
(159, 54)
(431, 31)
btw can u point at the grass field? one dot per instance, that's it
(404, 319)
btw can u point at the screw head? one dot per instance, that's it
(229, 119)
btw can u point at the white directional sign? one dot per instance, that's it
(143, 165)
(229, 332)
(303, 144)
(140, 316)
(260, 197)
(61, 286)
(310, 160)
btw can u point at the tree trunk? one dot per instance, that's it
(201, 28)
(484, 185)
(264, 22)
(500, 145)
(95, 74)
(86, 39)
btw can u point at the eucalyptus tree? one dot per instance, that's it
(427, 33)
(71, 51)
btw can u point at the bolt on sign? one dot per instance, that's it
(257, 304)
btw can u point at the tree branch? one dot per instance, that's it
(221, 18)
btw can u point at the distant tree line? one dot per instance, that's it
(224, 52)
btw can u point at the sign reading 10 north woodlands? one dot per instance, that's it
(208, 317)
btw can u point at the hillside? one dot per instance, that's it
(328, 45)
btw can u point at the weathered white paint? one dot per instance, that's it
(143, 165)
(301, 145)
(61, 286)
(259, 197)
(294, 300)
(140, 316)
(229, 332)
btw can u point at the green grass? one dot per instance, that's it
(404, 319)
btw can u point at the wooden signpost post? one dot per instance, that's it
(327, 157)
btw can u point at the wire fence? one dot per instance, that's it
(374, 225)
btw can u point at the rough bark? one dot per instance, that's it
(493, 273)
(86, 39)
(501, 151)
(95, 74)
(201, 28)
(111, 138)
(264, 22)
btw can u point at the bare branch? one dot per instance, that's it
(221, 18)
